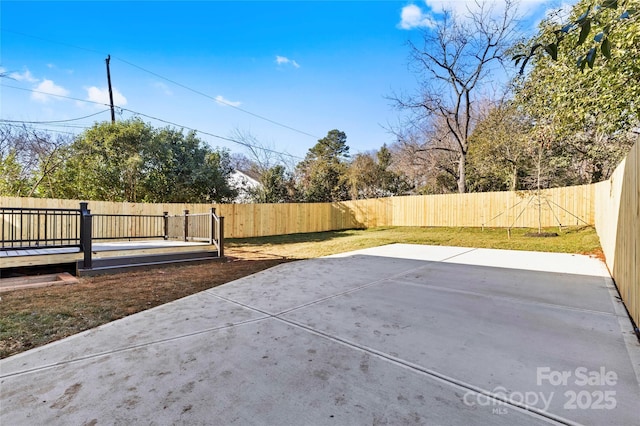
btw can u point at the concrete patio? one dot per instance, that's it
(399, 334)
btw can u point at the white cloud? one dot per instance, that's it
(226, 102)
(413, 17)
(101, 96)
(459, 7)
(283, 60)
(25, 76)
(462, 7)
(165, 89)
(46, 88)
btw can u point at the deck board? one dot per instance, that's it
(141, 245)
(38, 252)
(10, 258)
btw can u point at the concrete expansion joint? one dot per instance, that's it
(130, 348)
(415, 368)
(514, 300)
(435, 375)
(314, 302)
(296, 314)
(457, 255)
(353, 290)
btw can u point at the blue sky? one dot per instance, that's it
(310, 66)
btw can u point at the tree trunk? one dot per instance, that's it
(539, 172)
(462, 173)
(514, 178)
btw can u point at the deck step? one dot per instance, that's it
(148, 258)
(125, 264)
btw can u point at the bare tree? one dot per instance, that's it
(261, 156)
(272, 168)
(36, 155)
(428, 161)
(453, 64)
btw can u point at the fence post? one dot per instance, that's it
(85, 234)
(221, 236)
(186, 225)
(166, 225)
(45, 230)
(212, 227)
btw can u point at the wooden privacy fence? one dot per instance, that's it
(567, 206)
(559, 206)
(618, 224)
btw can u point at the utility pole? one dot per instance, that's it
(113, 112)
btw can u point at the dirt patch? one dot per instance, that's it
(541, 234)
(20, 283)
(597, 253)
(34, 317)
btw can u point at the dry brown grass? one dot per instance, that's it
(33, 317)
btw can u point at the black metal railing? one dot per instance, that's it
(128, 226)
(27, 228)
(207, 227)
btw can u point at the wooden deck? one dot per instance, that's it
(36, 252)
(113, 249)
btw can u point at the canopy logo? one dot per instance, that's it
(588, 391)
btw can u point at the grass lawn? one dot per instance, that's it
(581, 240)
(34, 317)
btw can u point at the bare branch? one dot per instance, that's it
(455, 58)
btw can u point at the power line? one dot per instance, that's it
(40, 129)
(72, 126)
(50, 41)
(54, 95)
(277, 123)
(245, 144)
(53, 121)
(216, 99)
